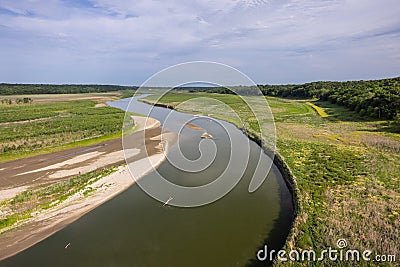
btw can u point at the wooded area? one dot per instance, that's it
(375, 98)
(32, 89)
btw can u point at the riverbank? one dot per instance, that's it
(291, 183)
(288, 177)
(278, 159)
(45, 222)
(345, 168)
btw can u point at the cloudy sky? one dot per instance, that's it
(126, 41)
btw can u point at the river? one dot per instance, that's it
(133, 229)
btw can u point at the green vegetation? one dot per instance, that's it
(32, 201)
(375, 98)
(25, 89)
(127, 93)
(43, 127)
(345, 166)
(345, 162)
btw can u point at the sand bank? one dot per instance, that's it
(45, 223)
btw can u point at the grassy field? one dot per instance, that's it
(346, 168)
(53, 123)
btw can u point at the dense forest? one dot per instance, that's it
(375, 98)
(27, 89)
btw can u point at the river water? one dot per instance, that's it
(133, 229)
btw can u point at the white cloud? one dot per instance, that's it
(123, 41)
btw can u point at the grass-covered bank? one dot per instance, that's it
(346, 169)
(42, 127)
(33, 201)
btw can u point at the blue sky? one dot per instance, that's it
(125, 42)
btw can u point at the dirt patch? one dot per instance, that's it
(10, 193)
(100, 105)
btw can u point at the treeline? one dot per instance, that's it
(374, 98)
(26, 89)
(240, 90)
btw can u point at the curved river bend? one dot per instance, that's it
(133, 229)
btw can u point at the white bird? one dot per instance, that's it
(67, 245)
(166, 202)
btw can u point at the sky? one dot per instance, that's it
(126, 41)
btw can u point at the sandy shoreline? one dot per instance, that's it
(46, 223)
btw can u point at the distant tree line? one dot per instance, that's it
(374, 98)
(24, 89)
(240, 90)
